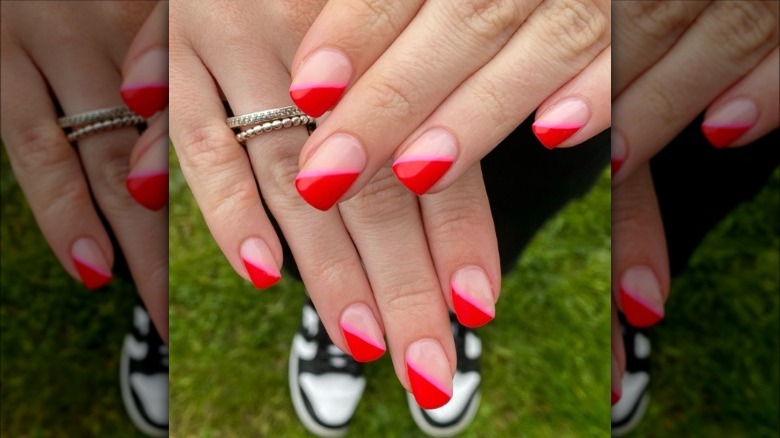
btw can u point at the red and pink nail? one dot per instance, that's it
(561, 121)
(330, 171)
(261, 267)
(145, 87)
(640, 297)
(90, 262)
(147, 181)
(472, 297)
(429, 373)
(320, 81)
(362, 333)
(426, 160)
(728, 122)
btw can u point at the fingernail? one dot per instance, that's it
(617, 386)
(561, 121)
(321, 81)
(259, 263)
(145, 88)
(640, 297)
(426, 160)
(147, 181)
(472, 297)
(331, 170)
(429, 373)
(90, 263)
(362, 333)
(618, 151)
(729, 121)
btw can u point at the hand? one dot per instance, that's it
(67, 186)
(436, 85)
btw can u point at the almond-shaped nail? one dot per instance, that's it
(259, 263)
(145, 87)
(330, 170)
(362, 332)
(618, 152)
(147, 181)
(472, 297)
(426, 160)
(729, 121)
(617, 385)
(320, 81)
(561, 121)
(90, 263)
(429, 373)
(640, 296)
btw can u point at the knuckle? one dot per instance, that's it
(41, 147)
(67, 195)
(205, 148)
(408, 292)
(487, 19)
(380, 201)
(656, 19)
(663, 105)
(458, 218)
(279, 177)
(394, 97)
(332, 270)
(235, 200)
(743, 28)
(492, 102)
(381, 13)
(575, 26)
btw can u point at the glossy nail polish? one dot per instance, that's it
(90, 263)
(724, 125)
(145, 87)
(472, 297)
(320, 81)
(259, 263)
(426, 160)
(640, 297)
(618, 152)
(429, 373)
(147, 181)
(362, 333)
(330, 171)
(561, 121)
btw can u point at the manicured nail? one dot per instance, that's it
(148, 179)
(321, 81)
(429, 373)
(259, 263)
(561, 121)
(331, 170)
(426, 160)
(90, 263)
(362, 333)
(640, 297)
(617, 385)
(618, 151)
(729, 121)
(145, 88)
(472, 297)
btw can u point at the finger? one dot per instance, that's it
(618, 357)
(48, 170)
(385, 224)
(727, 40)
(445, 42)
(640, 267)
(462, 241)
(749, 109)
(217, 169)
(578, 110)
(486, 108)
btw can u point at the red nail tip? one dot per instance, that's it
(468, 313)
(420, 175)
(92, 277)
(150, 190)
(615, 397)
(551, 136)
(616, 164)
(638, 312)
(721, 136)
(361, 349)
(314, 101)
(323, 190)
(146, 100)
(426, 393)
(261, 278)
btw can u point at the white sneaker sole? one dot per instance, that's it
(635, 419)
(127, 398)
(449, 431)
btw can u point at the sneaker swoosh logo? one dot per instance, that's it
(306, 350)
(135, 349)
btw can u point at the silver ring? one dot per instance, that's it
(97, 115)
(104, 125)
(286, 122)
(264, 116)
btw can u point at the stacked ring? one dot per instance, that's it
(104, 119)
(269, 120)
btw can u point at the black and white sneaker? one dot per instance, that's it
(325, 383)
(452, 418)
(631, 407)
(143, 376)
